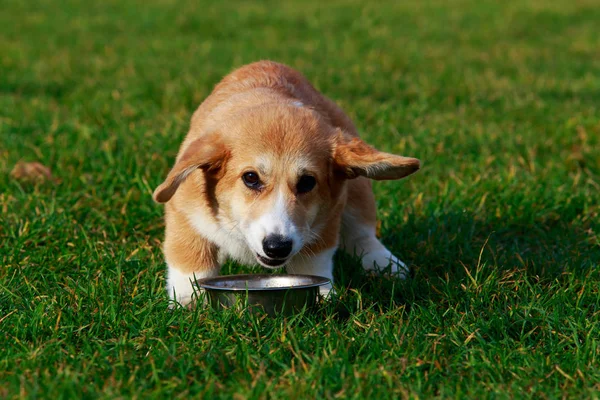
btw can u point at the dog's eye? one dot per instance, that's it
(251, 180)
(306, 183)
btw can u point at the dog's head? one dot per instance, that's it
(270, 177)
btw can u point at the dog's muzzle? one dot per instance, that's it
(277, 249)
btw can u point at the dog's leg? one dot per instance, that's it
(180, 286)
(189, 257)
(375, 256)
(320, 264)
(359, 233)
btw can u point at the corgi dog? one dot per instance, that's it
(272, 173)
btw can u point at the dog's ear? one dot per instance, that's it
(353, 158)
(207, 153)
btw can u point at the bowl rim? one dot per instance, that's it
(206, 283)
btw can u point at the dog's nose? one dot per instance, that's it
(277, 246)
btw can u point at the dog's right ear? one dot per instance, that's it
(207, 153)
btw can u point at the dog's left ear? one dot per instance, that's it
(354, 158)
(207, 153)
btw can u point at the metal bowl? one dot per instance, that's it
(274, 294)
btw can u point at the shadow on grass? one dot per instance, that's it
(446, 250)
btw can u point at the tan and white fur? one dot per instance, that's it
(273, 173)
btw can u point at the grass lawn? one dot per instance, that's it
(501, 101)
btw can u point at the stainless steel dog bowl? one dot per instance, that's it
(274, 294)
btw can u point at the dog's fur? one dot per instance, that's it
(265, 118)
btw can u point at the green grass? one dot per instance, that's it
(501, 227)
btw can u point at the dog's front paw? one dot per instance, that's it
(182, 289)
(384, 261)
(189, 301)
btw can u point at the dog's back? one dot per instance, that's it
(260, 82)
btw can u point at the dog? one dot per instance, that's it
(272, 173)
